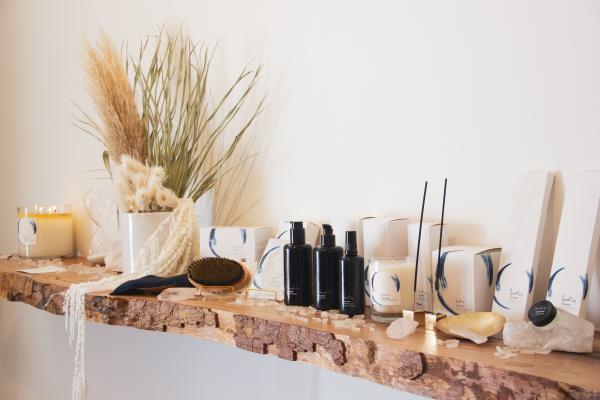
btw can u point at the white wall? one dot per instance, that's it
(367, 100)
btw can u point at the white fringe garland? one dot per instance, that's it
(168, 251)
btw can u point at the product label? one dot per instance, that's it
(324, 295)
(27, 231)
(348, 301)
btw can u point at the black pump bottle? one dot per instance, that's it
(297, 267)
(325, 272)
(352, 279)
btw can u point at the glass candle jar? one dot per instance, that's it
(45, 231)
(391, 282)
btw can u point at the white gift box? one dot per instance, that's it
(464, 279)
(521, 246)
(576, 252)
(430, 239)
(234, 242)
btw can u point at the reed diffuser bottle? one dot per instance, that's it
(326, 258)
(297, 268)
(352, 279)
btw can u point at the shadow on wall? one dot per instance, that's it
(9, 124)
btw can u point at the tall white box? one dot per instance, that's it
(464, 279)
(519, 264)
(348, 223)
(576, 253)
(383, 237)
(234, 242)
(430, 239)
(311, 231)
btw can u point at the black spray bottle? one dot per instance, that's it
(297, 268)
(352, 279)
(325, 272)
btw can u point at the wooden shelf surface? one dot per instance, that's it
(415, 364)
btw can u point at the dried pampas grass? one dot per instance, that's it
(121, 129)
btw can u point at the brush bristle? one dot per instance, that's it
(216, 271)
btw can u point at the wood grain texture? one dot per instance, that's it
(415, 364)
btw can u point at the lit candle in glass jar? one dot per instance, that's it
(45, 232)
(391, 283)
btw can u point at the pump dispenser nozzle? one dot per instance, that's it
(297, 235)
(327, 238)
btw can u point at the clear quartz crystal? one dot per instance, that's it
(565, 333)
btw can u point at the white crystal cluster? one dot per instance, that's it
(449, 344)
(566, 333)
(401, 328)
(510, 352)
(310, 314)
(91, 272)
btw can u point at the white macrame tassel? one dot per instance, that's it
(168, 251)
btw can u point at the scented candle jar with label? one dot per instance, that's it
(392, 287)
(45, 231)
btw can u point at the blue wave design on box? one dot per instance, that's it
(530, 277)
(551, 280)
(499, 275)
(440, 279)
(212, 241)
(585, 285)
(261, 262)
(498, 286)
(489, 267)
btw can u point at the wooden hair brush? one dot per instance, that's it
(218, 274)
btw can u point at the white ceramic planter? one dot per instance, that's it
(135, 229)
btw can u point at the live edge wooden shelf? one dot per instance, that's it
(414, 364)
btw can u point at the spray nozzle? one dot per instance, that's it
(351, 247)
(327, 238)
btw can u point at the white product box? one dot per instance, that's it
(464, 279)
(341, 225)
(519, 264)
(430, 239)
(235, 242)
(311, 231)
(269, 270)
(383, 237)
(575, 255)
